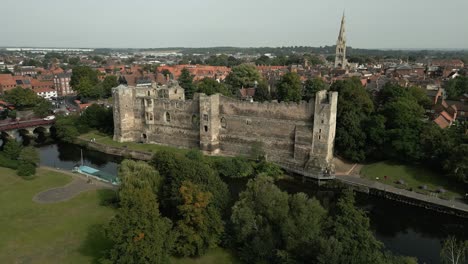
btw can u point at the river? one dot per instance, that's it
(403, 229)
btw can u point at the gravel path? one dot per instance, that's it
(64, 193)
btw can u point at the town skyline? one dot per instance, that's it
(241, 24)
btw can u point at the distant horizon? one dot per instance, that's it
(227, 46)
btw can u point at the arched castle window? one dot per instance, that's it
(167, 117)
(149, 93)
(223, 122)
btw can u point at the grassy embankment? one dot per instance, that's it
(414, 177)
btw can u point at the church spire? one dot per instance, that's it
(340, 59)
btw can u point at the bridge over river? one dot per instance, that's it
(13, 129)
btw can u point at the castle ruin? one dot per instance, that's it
(297, 136)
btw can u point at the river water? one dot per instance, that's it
(403, 229)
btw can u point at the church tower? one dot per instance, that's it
(340, 59)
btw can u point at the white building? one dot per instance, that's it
(46, 93)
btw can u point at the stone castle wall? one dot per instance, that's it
(296, 136)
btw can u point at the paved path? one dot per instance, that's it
(78, 185)
(353, 180)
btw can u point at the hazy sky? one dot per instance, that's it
(246, 23)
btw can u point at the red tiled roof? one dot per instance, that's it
(442, 122)
(44, 90)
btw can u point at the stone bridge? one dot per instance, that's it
(30, 127)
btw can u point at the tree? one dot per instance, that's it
(237, 167)
(83, 80)
(26, 169)
(454, 251)
(29, 155)
(67, 128)
(21, 98)
(98, 117)
(457, 163)
(312, 86)
(210, 86)
(262, 92)
(186, 82)
(243, 76)
(289, 88)
(354, 109)
(142, 171)
(107, 84)
(457, 87)
(138, 232)
(200, 227)
(12, 149)
(271, 226)
(42, 107)
(348, 238)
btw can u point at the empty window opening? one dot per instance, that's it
(149, 93)
(144, 136)
(323, 121)
(320, 137)
(205, 117)
(168, 117)
(223, 123)
(206, 128)
(320, 130)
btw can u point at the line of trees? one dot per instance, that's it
(85, 81)
(178, 205)
(393, 125)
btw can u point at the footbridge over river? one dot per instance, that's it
(15, 129)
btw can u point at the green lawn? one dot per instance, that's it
(107, 140)
(413, 177)
(67, 232)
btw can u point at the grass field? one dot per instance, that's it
(107, 140)
(67, 232)
(414, 177)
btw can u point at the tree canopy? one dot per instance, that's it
(289, 88)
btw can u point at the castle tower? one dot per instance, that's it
(209, 123)
(124, 119)
(323, 138)
(340, 58)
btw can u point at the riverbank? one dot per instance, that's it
(104, 143)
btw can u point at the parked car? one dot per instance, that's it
(51, 117)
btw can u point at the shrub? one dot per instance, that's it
(8, 163)
(26, 169)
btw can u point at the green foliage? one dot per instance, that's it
(141, 171)
(7, 162)
(29, 155)
(289, 88)
(42, 107)
(21, 98)
(26, 168)
(210, 86)
(200, 227)
(84, 81)
(12, 149)
(107, 84)
(237, 167)
(268, 169)
(186, 82)
(271, 226)
(222, 60)
(354, 108)
(98, 117)
(312, 86)
(68, 127)
(138, 232)
(348, 238)
(177, 168)
(262, 92)
(244, 75)
(457, 87)
(456, 163)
